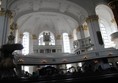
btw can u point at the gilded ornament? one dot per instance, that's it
(92, 18)
(34, 36)
(58, 37)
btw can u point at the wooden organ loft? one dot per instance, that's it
(47, 48)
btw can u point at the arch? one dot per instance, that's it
(105, 13)
(106, 24)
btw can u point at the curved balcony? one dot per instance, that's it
(60, 58)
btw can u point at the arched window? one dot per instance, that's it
(66, 43)
(41, 37)
(25, 43)
(107, 27)
(105, 36)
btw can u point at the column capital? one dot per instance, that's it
(85, 27)
(21, 35)
(9, 13)
(2, 12)
(34, 37)
(6, 12)
(70, 36)
(79, 28)
(92, 18)
(58, 37)
(82, 27)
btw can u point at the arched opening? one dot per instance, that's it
(66, 43)
(25, 43)
(107, 26)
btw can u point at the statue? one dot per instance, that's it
(11, 38)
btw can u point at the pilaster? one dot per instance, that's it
(71, 43)
(59, 41)
(95, 34)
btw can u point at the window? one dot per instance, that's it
(25, 43)
(105, 36)
(106, 24)
(66, 43)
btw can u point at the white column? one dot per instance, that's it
(71, 43)
(95, 33)
(78, 33)
(86, 31)
(30, 44)
(82, 32)
(35, 41)
(58, 40)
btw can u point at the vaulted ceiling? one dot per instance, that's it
(42, 21)
(57, 16)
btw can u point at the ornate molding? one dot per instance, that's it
(2, 12)
(58, 37)
(13, 26)
(70, 36)
(9, 13)
(43, 61)
(92, 18)
(6, 12)
(21, 35)
(85, 27)
(20, 61)
(82, 27)
(34, 37)
(64, 60)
